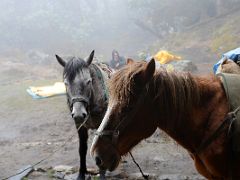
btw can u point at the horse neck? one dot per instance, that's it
(185, 104)
(98, 93)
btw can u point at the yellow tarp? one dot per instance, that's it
(47, 91)
(164, 57)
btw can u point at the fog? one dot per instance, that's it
(32, 31)
(75, 27)
(70, 26)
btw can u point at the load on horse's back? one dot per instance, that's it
(231, 84)
(229, 63)
(87, 97)
(228, 69)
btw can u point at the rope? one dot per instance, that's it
(143, 175)
(44, 159)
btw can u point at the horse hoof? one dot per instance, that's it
(102, 175)
(81, 177)
(102, 178)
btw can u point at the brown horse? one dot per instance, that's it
(188, 108)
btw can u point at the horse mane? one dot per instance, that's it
(175, 92)
(73, 66)
(121, 84)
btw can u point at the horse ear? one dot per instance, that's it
(129, 61)
(149, 70)
(60, 60)
(146, 74)
(90, 58)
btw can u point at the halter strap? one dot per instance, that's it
(114, 134)
(79, 99)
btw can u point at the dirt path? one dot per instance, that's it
(31, 129)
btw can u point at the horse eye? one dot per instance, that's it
(66, 82)
(89, 81)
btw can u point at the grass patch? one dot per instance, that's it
(50, 173)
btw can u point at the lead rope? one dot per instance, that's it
(44, 159)
(143, 175)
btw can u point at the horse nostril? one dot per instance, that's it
(72, 115)
(98, 161)
(84, 115)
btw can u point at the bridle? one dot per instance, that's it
(79, 99)
(86, 101)
(114, 134)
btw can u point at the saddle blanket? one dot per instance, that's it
(231, 83)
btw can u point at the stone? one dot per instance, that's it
(179, 177)
(64, 168)
(58, 175)
(184, 65)
(28, 169)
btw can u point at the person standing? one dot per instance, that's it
(117, 61)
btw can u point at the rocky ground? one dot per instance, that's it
(30, 130)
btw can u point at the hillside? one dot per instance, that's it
(206, 41)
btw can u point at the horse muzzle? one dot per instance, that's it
(105, 155)
(79, 112)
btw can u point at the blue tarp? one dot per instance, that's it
(233, 55)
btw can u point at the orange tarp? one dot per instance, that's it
(164, 57)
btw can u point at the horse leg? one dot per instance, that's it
(83, 137)
(102, 175)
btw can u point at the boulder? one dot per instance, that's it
(184, 65)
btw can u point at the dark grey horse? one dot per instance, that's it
(87, 98)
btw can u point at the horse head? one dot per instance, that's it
(78, 82)
(123, 126)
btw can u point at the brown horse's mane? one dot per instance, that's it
(175, 93)
(122, 84)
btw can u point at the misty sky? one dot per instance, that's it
(70, 26)
(75, 27)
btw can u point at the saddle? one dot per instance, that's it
(231, 83)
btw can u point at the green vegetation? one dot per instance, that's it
(50, 173)
(96, 177)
